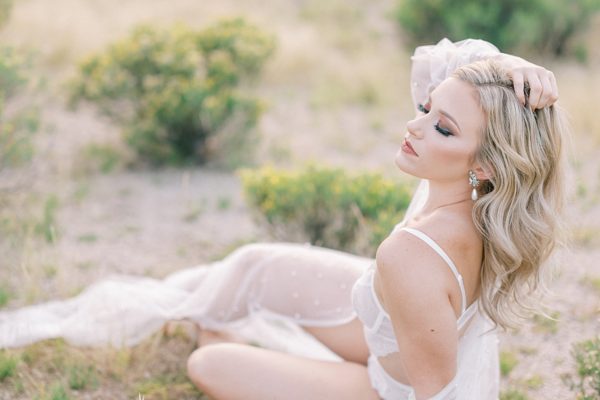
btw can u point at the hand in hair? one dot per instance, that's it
(541, 82)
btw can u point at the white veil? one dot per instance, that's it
(265, 292)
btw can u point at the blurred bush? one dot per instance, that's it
(587, 363)
(327, 207)
(542, 26)
(5, 9)
(18, 122)
(175, 89)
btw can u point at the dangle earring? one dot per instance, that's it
(474, 182)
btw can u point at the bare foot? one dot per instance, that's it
(180, 328)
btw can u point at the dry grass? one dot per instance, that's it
(51, 369)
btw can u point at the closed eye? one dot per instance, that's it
(441, 130)
(437, 126)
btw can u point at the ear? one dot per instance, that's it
(482, 174)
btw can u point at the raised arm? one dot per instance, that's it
(542, 83)
(416, 285)
(434, 63)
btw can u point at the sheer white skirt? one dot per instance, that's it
(255, 287)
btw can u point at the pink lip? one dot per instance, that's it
(407, 148)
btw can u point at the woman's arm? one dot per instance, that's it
(434, 63)
(415, 288)
(542, 83)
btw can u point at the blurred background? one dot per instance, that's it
(142, 137)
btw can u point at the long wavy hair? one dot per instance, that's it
(519, 210)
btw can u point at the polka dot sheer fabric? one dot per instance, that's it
(288, 283)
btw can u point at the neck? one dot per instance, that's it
(443, 194)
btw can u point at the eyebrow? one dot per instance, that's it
(444, 113)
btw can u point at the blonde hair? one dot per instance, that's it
(519, 209)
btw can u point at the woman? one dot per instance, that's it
(493, 167)
(416, 323)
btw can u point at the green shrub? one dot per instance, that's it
(82, 377)
(57, 392)
(102, 157)
(175, 89)
(165, 387)
(46, 226)
(5, 8)
(528, 25)
(327, 206)
(587, 361)
(512, 394)
(534, 382)
(508, 361)
(18, 125)
(4, 296)
(8, 366)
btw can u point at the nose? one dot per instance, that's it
(413, 128)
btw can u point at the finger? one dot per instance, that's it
(519, 87)
(554, 95)
(535, 90)
(545, 100)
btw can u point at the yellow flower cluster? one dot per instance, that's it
(329, 206)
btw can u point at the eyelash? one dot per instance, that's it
(437, 126)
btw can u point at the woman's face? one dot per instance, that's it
(441, 141)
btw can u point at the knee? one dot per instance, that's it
(249, 254)
(198, 369)
(251, 251)
(204, 364)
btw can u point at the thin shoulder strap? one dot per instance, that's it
(442, 254)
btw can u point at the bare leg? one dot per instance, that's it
(347, 341)
(230, 371)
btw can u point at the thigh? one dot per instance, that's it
(231, 371)
(347, 340)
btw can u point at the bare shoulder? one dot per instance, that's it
(454, 232)
(407, 261)
(416, 268)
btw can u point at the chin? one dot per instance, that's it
(405, 165)
(401, 162)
